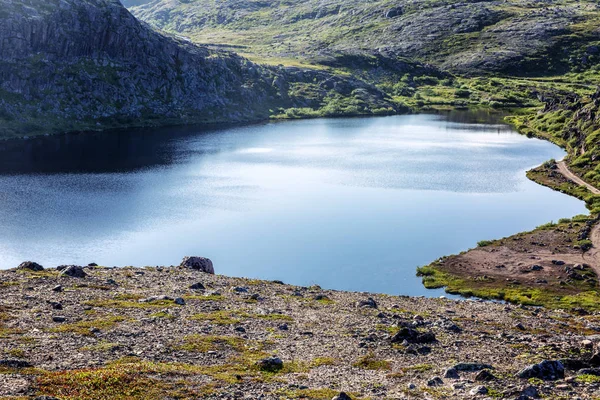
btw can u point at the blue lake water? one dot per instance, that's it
(352, 204)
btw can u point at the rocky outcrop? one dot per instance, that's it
(31, 266)
(76, 65)
(198, 263)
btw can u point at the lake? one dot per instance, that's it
(352, 204)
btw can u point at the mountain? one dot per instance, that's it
(89, 64)
(473, 37)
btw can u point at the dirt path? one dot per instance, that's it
(562, 167)
(593, 255)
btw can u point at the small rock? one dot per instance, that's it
(11, 363)
(536, 267)
(558, 262)
(451, 373)
(46, 398)
(240, 329)
(546, 370)
(530, 391)
(413, 336)
(31, 266)
(520, 326)
(57, 288)
(435, 381)
(588, 344)
(320, 297)
(179, 300)
(271, 364)
(74, 271)
(198, 263)
(589, 371)
(283, 327)
(239, 289)
(369, 303)
(151, 299)
(411, 386)
(472, 367)
(478, 390)
(56, 305)
(342, 396)
(484, 376)
(197, 286)
(94, 330)
(58, 318)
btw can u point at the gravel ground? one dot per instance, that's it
(110, 335)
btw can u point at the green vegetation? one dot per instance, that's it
(370, 361)
(83, 327)
(230, 317)
(579, 294)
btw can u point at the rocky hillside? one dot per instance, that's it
(89, 64)
(571, 120)
(520, 37)
(178, 333)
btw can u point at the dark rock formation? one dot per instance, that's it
(546, 370)
(200, 263)
(31, 266)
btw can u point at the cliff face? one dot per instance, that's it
(89, 64)
(92, 61)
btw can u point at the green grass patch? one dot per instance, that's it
(83, 327)
(371, 362)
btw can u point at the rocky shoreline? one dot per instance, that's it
(181, 333)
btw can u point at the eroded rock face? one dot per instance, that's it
(199, 263)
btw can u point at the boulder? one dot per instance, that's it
(435, 381)
(74, 271)
(197, 286)
(31, 266)
(485, 376)
(451, 373)
(270, 364)
(546, 370)
(198, 263)
(369, 303)
(179, 301)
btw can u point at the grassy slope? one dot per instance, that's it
(456, 35)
